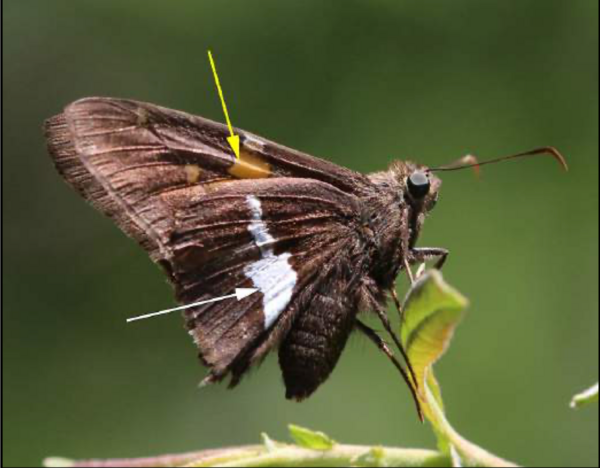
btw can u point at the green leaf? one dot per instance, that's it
(432, 310)
(310, 439)
(586, 397)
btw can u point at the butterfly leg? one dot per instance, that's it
(423, 254)
(397, 302)
(411, 278)
(388, 327)
(383, 347)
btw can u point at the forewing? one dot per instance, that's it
(110, 125)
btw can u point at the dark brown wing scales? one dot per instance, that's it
(156, 137)
(278, 237)
(125, 156)
(314, 345)
(276, 220)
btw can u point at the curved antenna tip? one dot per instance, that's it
(557, 155)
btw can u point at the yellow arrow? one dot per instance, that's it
(232, 139)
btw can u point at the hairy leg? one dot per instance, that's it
(382, 345)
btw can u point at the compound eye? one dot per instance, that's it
(418, 185)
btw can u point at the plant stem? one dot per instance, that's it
(283, 455)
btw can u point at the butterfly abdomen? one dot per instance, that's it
(315, 342)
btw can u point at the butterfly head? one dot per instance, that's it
(418, 185)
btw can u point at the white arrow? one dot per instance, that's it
(240, 293)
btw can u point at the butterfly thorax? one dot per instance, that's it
(395, 219)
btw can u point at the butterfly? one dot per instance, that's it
(321, 243)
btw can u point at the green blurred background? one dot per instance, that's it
(356, 82)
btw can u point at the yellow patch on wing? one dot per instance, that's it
(192, 173)
(250, 166)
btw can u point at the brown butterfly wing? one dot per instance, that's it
(170, 181)
(123, 156)
(277, 235)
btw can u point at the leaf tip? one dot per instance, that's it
(460, 300)
(309, 439)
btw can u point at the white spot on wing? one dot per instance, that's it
(272, 275)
